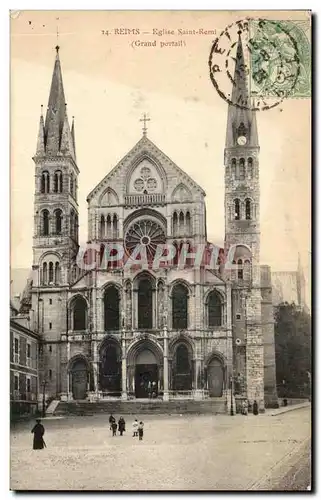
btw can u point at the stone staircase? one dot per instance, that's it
(141, 407)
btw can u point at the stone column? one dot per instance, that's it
(165, 385)
(123, 368)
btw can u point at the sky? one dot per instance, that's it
(109, 83)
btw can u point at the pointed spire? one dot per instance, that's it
(73, 135)
(66, 145)
(41, 135)
(239, 112)
(56, 109)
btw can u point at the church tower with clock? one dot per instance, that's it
(252, 319)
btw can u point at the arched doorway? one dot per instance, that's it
(110, 368)
(79, 379)
(215, 377)
(146, 374)
(182, 368)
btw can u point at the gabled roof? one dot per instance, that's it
(145, 145)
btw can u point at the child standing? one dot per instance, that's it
(135, 428)
(140, 430)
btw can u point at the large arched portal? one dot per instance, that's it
(79, 379)
(110, 368)
(146, 374)
(145, 369)
(215, 377)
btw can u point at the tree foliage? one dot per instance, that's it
(292, 350)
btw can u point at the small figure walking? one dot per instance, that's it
(121, 425)
(135, 428)
(111, 421)
(38, 432)
(255, 408)
(114, 428)
(141, 430)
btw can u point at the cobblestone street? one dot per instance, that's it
(178, 453)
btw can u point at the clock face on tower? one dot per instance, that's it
(241, 140)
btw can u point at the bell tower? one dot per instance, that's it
(242, 228)
(242, 189)
(55, 240)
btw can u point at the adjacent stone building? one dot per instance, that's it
(23, 365)
(192, 331)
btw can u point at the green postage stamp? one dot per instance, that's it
(280, 58)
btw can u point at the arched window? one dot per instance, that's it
(242, 169)
(248, 209)
(240, 269)
(72, 184)
(79, 314)
(214, 310)
(115, 229)
(72, 223)
(237, 212)
(51, 273)
(181, 223)
(45, 182)
(76, 228)
(57, 273)
(233, 168)
(182, 369)
(250, 168)
(45, 223)
(111, 308)
(179, 307)
(188, 223)
(145, 304)
(241, 129)
(247, 270)
(58, 182)
(102, 226)
(58, 221)
(175, 224)
(108, 235)
(45, 273)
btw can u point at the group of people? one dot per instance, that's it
(246, 407)
(138, 428)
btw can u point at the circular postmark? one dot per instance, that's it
(254, 63)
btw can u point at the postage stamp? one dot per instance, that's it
(273, 58)
(280, 59)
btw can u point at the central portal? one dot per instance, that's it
(146, 375)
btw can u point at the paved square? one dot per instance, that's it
(177, 453)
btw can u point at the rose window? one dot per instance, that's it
(145, 182)
(145, 233)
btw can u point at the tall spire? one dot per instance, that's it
(73, 135)
(240, 119)
(41, 136)
(55, 115)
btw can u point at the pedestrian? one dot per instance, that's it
(154, 389)
(255, 408)
(121, 425)
(114, 428)
(38, 432)
(149, 389)
(111, 421)
(244, 407)
(141, 430)
(135, 428)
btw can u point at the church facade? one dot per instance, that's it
(111, 329)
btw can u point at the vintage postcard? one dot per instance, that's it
(160, 317)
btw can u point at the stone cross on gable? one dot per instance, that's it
(144, 119)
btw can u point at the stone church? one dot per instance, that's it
(171, 332)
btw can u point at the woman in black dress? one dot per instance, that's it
(38, 432)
